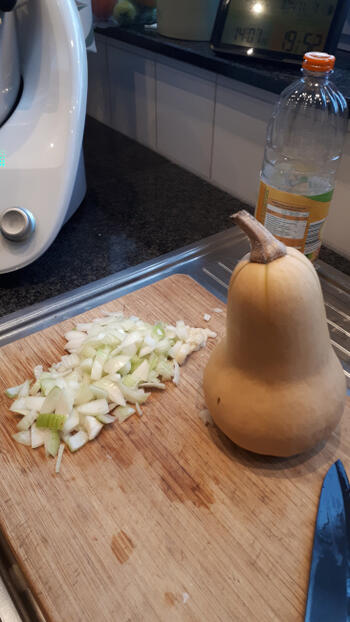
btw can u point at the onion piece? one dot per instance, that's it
(27, 421)
(112, 389)
(176, 377)
(152, 385)
(52, 443)
(38, 370)
(140, 374)
(115, 364)
(84, 395)
(98, 392)
(86, 364)
(64, 404)
(24, 390)
(165, 368)
(19, 406)
(22, 437)
(51, 421)
(106, 418)
(59, 457)
(100, 359)
(38, 436)
(92, 426)
(35, 388)
(71, 423)
(34, 402)
(76, 441)
(123, 412)
(96, 407)
(49, 403)
(134, 395)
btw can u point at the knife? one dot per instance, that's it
(329, 588)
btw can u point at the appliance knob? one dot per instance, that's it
(17, 224)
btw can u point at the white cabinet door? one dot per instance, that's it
(98, 91)
(132, 92)
(185, 115)
(239, 139)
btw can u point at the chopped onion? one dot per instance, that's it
(19, 406)
(115, 364)
(64, 403)
(106, 418)
(165, 368)
(50, 421)
(176, 377)
(49, 404)
(52, 443)
(84, 395)
(134, 395)
(24, 390)
(100, 359)
(98, 392)
(38, 436)
(34, 402)
(123, 412)
(140, 374)
(111, 361)
(27, 421)
(92, 426)
(22, 437)
(96, 407)
(153, 385)
(38, 370)
(59, 457)
(112, 389)
(71, 423)
(77, 441)
(86, 364)
(35, 388)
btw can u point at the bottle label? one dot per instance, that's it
(294, 219)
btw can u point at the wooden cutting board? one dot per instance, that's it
(161, 518)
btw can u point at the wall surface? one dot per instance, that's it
(211, 125)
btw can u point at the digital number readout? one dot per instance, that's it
(289, 26)
(292, 41)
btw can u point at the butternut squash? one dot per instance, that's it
(274, 384)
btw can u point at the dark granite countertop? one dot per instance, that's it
(268, 75)
(138, 206)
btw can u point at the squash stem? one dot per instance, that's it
(264, 246)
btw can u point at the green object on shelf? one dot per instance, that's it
(124, 12)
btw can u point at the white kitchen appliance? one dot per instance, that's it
(42, 114)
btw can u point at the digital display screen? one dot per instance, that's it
(288, 26)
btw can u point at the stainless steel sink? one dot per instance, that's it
(210, 262)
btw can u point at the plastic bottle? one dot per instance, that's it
(304, 143)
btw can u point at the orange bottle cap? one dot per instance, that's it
(318, 61)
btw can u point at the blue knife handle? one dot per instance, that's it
(329, 584)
